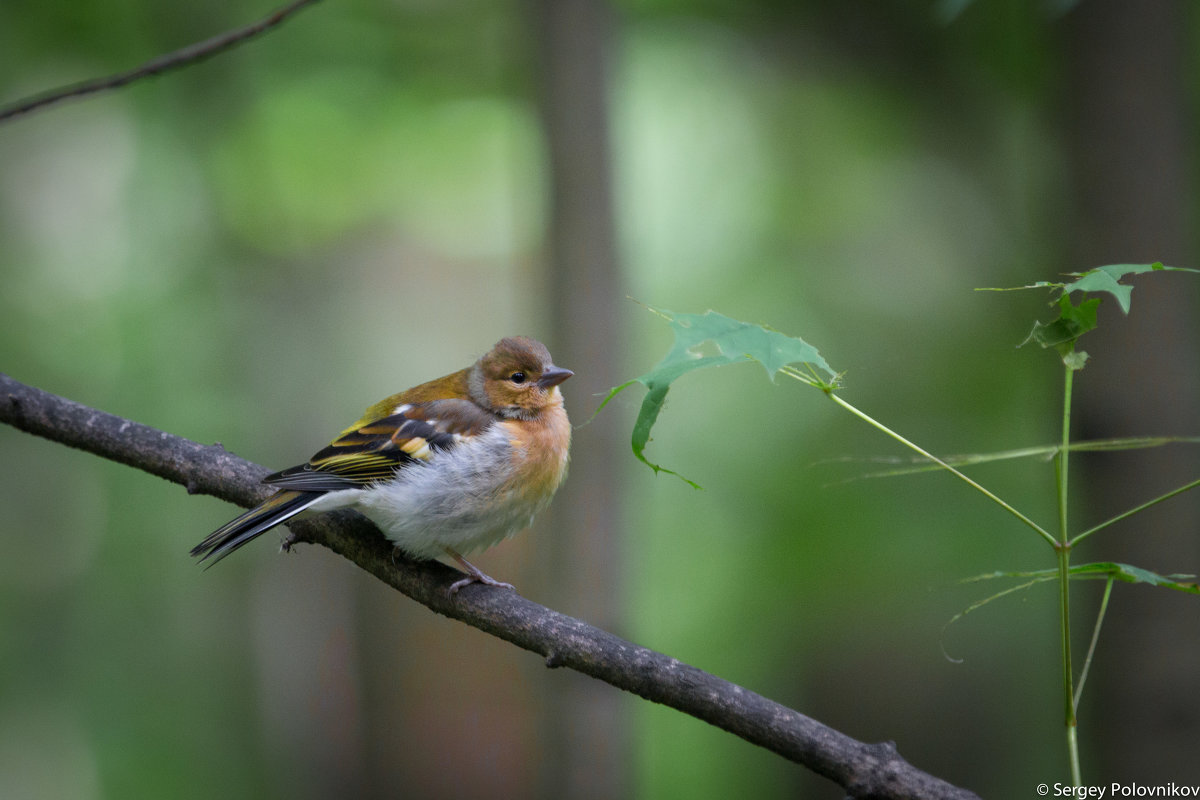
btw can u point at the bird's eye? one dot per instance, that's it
(517, 377)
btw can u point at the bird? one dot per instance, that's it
(451, 466)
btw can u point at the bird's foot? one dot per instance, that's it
(474, 575)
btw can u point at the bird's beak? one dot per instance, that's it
(553, 376)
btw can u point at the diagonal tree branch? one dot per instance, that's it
(865, 770)
(157, 66)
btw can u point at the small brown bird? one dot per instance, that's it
(451, 466)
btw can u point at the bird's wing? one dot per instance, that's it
(375, 450)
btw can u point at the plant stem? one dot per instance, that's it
(1068, 688)
(1134, 510)
(1063, 550)
(1073, 749)
(1063, 456)
(1087, 662)
(881, 427)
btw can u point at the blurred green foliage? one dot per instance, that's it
(254, 249)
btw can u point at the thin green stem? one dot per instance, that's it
(1073, 751)
(1063, 551)
(1134, 510)
(1064, 455)
(1087, 662)
(1071, 721)
(881, 427)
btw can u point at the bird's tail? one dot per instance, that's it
(280, 507)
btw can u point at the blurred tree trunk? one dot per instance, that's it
(1130, 132)
(586, 741)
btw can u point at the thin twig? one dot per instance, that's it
(1038, 529)
(1087, 662)
(1136, 509)
(165, 63)
(865, 770)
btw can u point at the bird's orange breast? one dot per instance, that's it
(541, 448)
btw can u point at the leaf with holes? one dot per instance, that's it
(1073, 321)
(734, 342)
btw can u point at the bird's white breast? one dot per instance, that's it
(465, 498)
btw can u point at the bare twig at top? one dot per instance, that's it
(183, 57)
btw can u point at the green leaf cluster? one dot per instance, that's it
(1062, 332)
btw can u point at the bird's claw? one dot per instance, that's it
(480, 578)
(474, 575)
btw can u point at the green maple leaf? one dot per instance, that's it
(735, 342)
